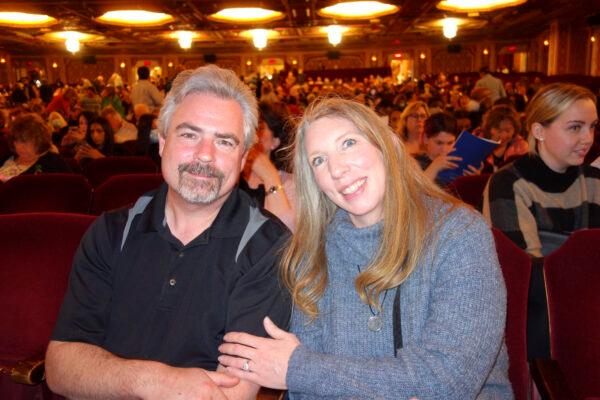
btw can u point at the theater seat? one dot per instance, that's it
(99, 170)
(36, 252)
(122, 190)
(516, 269)
(469, 188)
(572, 276)
(45, 192)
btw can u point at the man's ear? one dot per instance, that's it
(161, 144)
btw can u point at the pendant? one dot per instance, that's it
(375, 323)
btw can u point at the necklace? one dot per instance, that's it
(375, 322)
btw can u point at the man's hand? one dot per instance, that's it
(186, 383)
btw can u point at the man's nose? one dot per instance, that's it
(205, 150)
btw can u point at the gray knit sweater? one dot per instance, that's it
(453, 309)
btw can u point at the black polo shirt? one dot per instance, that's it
(157, 299)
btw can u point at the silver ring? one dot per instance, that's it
(246, 366)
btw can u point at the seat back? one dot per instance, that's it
(572, 275)
(122, 190)
(45, 192)
(36, 252)
(469, 188)
(516, 269)
(99, 170)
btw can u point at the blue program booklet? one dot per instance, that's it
(472, 149)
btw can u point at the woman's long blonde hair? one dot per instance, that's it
(407, 220)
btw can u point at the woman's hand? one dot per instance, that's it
(267, 359)
(471, 170)
(596, 163)
(87, 151)
(440, 163)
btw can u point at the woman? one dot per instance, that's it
(539, 199)
(29, 139)
(76, 134)
(397, 288)
(265, 176)
(502, 125)
(99, 142)
(412, 123)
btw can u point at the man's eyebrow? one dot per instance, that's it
(187, 125)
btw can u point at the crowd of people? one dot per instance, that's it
(198, 291)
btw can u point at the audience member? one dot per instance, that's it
(539, 199)
(501, 124)
(145, 92)
(124, 130)
(99, 142)
(491, 83)
(412, 122)
(265, 174)
(29, 138)
(397, 288)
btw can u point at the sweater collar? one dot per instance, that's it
(533, 169)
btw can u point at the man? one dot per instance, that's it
(144, 92)
(489, 82)
(154, 290)
(124, 131)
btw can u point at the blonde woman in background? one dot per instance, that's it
(397, 289)
(412, 126)
(539, 199)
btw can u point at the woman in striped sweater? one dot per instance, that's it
(539, 199)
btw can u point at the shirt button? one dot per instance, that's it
(180, 255)
(172, 281)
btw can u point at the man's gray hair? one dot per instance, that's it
(219, 82)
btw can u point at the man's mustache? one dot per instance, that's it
(200, 169)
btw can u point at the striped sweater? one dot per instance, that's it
(533, 204)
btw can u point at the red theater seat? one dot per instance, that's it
(469, 188)
(572, 276)
(98, 171)
(516, 269)
(45, 192)
(122, 190)
(36, 252)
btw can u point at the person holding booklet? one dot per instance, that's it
(501, 124)
(397, 288)
(440, 137)
(539, 199)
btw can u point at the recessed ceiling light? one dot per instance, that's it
(358, 10)
(471, 6)
(246, 15)
(135, 17)
(21, 19)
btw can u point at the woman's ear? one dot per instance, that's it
(538, 131)
(275, 143)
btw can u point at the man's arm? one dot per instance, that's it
(85, 371)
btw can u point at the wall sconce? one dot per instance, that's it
(249, 62)
(373, 58)
(170, 64)
(122, 65)
(486, 52)
(2, 60)
(593, 39)
(54, 65)
(422, 56)
(294, 62)
(546, 42)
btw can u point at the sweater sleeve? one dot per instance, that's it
(458, 346)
